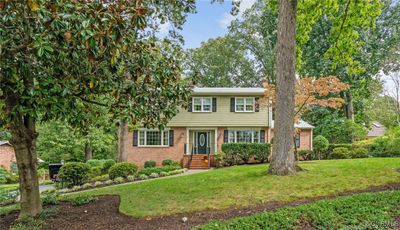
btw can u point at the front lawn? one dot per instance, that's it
(362, 211)
(248, 185)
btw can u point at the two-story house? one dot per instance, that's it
(215, 116)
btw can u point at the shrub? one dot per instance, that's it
(306, 154)
(87, 185)
(8, 196)
(359, 153)
(108, 182)
(131, 178)
(76, 188)
(95, 171)
(340, 153)
(123, 169)
(320, 144)
(218, 159)
(148, 171)
(143, 177)
(164, 174)
(29, 223)
(101, 177)
(107, 165)
(7, 177)
(169, 168)
(50, 199)
(95, 163)
(74, 173)
(154, 175)
(167, 162)
(82, 200)
(119, 180)
(236, 153)
(98, 183)
(176, 172)
(149, 164)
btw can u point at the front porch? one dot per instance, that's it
(201, 143)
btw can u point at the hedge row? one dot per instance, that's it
(239, 153)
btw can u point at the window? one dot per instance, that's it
(297, 140)
(202, 104)
(244, 104)
(153, 138)
(243, 136)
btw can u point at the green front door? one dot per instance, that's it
(202, 142)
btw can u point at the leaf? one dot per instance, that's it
(40, 51)
(91, 84)
(33, 5)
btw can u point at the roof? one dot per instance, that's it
(228, 91)
(4, 143)
(377, 130)
(301, 125)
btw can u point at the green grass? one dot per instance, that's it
(248, 185)
(9, 186)
(361, 211)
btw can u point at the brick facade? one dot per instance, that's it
(306, 137)
(7, 156)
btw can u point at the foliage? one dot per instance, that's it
(339, 212)
(122, 169)
(168, 162)
(237, 153)
(384, 111)
(98, 183)
(307, 155)
(154, 175)
(150, 164)
(148, 171)
(95, 163)
(29, 223)
(101, 178)
(74, 173)
(87, 185)
(320, 143)
(107, 165)
(119, 180)
(50, 199)
(8, 196)
(131, 178)
(387, 145)
(250, 186)
(222, 62)
(340, 153)
(7, 177)
(359, 153)
(95, 172)
(143, 177)
(82, 200)
(218, 159)
(162, 174)
(59, 141)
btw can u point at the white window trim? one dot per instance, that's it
(145, 138)
(202, 107)
(244, 104)
(235, 135)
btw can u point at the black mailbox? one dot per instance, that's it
(53, 171)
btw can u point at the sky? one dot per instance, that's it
(210, 21)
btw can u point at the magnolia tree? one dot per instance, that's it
(310, 92)
(59, 56)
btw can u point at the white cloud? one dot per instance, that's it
(227, 18)
(164, 28)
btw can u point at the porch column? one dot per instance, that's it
(187, 141)
(216, 140)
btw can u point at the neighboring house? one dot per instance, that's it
(7, 155)
(215, 116)
(377, 130)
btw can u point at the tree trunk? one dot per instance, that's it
(348, 106)
(88, 151)
(122, 134)
(283, 162)
(24, 142)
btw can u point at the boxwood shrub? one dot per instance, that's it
(359, 153)
(167, 162)
(74, 173)
(123, 169)
(237, 153)
(340, 153)
(148, 171)
(107, 165)
(149, 164)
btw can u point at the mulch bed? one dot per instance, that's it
(104, 214)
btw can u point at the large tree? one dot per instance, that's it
(283, 161)
(58, 55)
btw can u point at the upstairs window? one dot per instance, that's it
(244, 104)
(202, 104)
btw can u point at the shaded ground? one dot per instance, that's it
(104, 214)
